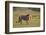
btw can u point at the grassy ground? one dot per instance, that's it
(35, 19)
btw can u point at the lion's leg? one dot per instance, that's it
(30, 19)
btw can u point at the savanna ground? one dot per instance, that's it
(35, 22)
